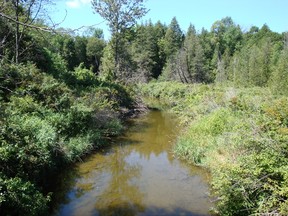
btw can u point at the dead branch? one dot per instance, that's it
(46, 29)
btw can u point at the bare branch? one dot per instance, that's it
(46, 29)
(81, 27)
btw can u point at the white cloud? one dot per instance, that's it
(85, 1)
(73, 4)
(77, 3)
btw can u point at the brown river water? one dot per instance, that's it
(136, 175)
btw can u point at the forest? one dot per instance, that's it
(63, 94)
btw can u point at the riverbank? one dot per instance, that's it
(239, 135)
(47, 122)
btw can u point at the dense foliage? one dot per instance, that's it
(237, 125)
(54, 110)
(61, 95)
(45, 124)
(240, 135)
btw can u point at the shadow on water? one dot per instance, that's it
(62, 185)
(135, 127)
(128, 209)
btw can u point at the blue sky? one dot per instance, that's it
(201, 13)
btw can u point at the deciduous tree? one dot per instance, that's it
(121, 15)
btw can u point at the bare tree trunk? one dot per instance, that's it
(179, 73)
(97, 64)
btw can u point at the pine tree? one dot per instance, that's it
(173, 38)
(144, 50)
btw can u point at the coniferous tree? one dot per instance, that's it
(170, 45)
(173, 38)
(195, 56)
(143, 51)
(80, 49)
(159, 55)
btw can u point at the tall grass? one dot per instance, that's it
(240, 135)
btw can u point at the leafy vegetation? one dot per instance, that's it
(45, 124)
(240, 135)
(61, 94)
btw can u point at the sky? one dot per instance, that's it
(200, 13)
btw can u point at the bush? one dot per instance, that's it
(45, 124)
(84, 76)
(20, 197)
(241, 136)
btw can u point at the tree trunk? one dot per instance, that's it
(17, 39)
(116, 57)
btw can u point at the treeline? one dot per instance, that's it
(225, 54)
(61, 93)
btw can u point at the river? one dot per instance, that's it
(136, 175)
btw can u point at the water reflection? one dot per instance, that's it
(138, 176)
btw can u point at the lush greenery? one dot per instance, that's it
(61, 94)
(240, 135)
(46, 124)
(54, 109)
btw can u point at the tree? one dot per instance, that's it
(69, 53)
(146, 51)
(80, 48)
(188, 64)
(227, 38)
(94, 32)
(279, 77)
(159, 58)
(94, 49)
(173, 38)
(121, 15)
(169, 46)
(195, 56)
(142, 52)
(205, 38)
(23, 15)
(254, 63)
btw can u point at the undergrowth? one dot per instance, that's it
(240, 135)
(45, 124)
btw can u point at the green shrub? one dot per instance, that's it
(20, 197)
(76, 147)
(240, 135)
(84, 76)
(45, 124)
(203, 136)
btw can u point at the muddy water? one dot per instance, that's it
(138, 175)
